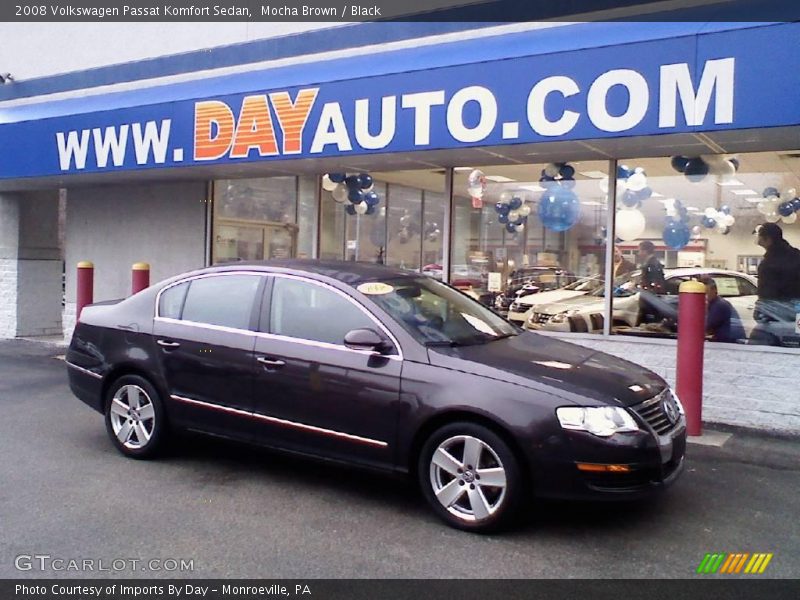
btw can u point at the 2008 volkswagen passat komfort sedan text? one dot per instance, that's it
(381, 368)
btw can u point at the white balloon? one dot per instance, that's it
(637, 182)
(505, 197)
(764, 207)
(727, 171)
(728, 220)
(710, 212)
(551, 170)
(772, 217)
(697, 230)
(603, 183)
(715, 163)
(790, 219)
(361, 208)
(327, 184)
(630, 224)
(513, 215)
(476, 191)
(789, 194)
(524, 210)
(339, 193)
(521, 227)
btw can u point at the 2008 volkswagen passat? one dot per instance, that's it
(381, 368)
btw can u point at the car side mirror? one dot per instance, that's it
(365, 339)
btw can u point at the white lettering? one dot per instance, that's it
(455, 114)
(153, 138)
(72, 148)
(388, 123)
(109, 141)
(638, 98)
(676, 80)
(537, 98)
(422, 103)
(331, 130)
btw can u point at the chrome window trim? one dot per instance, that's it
(362, 308)
(276, 420)
(86, 371)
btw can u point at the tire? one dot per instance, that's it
(453, 486)
(136, 433)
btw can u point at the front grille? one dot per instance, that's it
(540, 318)
(653, 412)
(518, 307)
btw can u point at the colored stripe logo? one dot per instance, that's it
(741, 563)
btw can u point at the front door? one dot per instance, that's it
(314, 394)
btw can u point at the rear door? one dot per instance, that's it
(205, 335)
(312, 393)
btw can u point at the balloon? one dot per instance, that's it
(503, 218)
(726, 170)
(796, 204)
(725, 209)
(361, 208)
(785, 209)
(552, 170)
(644, 193)
(337, 177)
(630, 199)
(328, 184)
(352, 182)
(790, 219)
(475, 191)
(476, 179)
(728, 220)
(710, 212)
(696, 170)
(339, 193)
(725, 230)
(640, 170)
(567, 183)
(770, 191)
(567, 171)
(513, 216)
(515, 203)
(764, 207)
(630, 224)
(636, 182)
(356, 196)
(697, 230)
(350, 209)
(683, 213)
(623, 172)
(772, 217)
(676, 235)
(559, 209)
(709, 223)
(521, 226)
(511, 228)
(735, 163)
(365, 180)
(505, 197)
(405, 220)
(371, 198)
(679, 163)
(370, 209)
(524, 210)
(789, 195)
(502, 208)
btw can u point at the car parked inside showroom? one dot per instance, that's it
(520, 309)
(380, 368)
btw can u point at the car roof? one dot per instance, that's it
(695, 271)
(345, 271)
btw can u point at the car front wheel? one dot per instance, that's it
(470, 477)
(135, 418)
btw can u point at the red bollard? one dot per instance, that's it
(85, 287)
(691, 339)
(140, 277)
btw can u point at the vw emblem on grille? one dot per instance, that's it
(670, 409)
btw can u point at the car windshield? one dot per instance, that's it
(624, 285)
(436, 314)
(587, 284)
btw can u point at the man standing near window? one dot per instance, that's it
(779, 271)
(652, 269)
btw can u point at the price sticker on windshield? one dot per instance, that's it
(375, 288)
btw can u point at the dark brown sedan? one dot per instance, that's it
(380, 368)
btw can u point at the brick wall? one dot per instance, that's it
(753, 387)
(8, 298)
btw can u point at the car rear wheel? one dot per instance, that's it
(470, 477)
(135, 418)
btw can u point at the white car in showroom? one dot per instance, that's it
(586, 313)
(523, 305)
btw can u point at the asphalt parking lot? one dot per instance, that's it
(235, 511)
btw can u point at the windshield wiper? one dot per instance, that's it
(445, 344)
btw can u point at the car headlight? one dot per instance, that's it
(561, 317)
(602, 421)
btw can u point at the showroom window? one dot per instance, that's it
(695, 217)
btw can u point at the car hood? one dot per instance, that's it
(575, 303)
(540, 361)
(547, 297)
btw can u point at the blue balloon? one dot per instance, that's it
(511, 228)
(644, 193)
(623, 172)
(696, 170)
(365, 180)
(371, 198)
(679, 163)
(735, 163)
(725, 209)
(356, 196)
(336, 177)
(568, 184)
(567, 172)
(503, 218)
(796, 204)
(370, 209)
(548, 182)
(350, 209)
(515, 203)
(677, 235)
(770, 191)
(709, 223)
(785, 209)
(630, 199)
(502, 208)
(353, 182)
(559, 209)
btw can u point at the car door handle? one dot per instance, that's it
(270, 362)
(167, 344)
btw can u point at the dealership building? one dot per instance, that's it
(152, 143)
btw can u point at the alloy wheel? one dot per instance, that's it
(133, 416)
